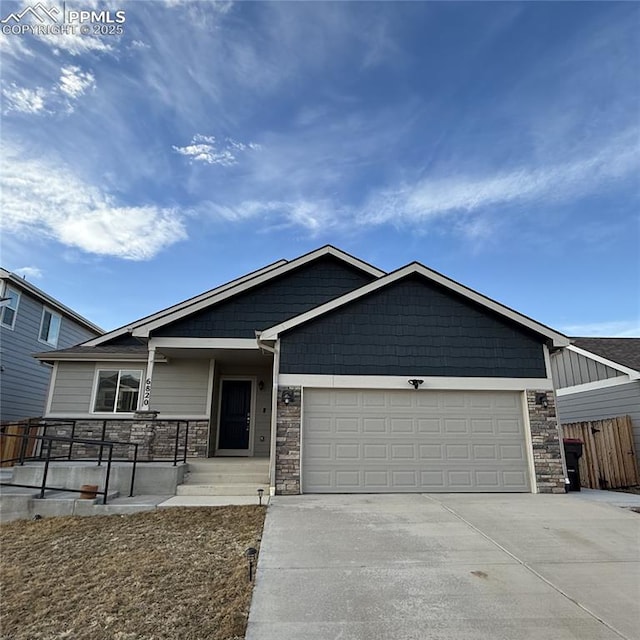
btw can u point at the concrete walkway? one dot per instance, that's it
(459, 567)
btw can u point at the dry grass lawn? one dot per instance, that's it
(173, 573)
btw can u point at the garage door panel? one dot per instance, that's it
(347, 451)
(482, 426)
(429, 425)
(507, 426)
(347, 425)
(511, 452)
(485, 452)
(374, 425)
(455, 425)
(401, 425)
(375, 451)
(459, 479)
(377, 441)
(403, 452)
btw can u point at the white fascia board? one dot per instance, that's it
(558, 339)
(632, 373)
(402, 382)
(204, 343)
(121, 331)
(142, 330)
(98, 357)
(593, 386)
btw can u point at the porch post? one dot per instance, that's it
(146, 391)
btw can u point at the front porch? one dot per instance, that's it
(35, 489)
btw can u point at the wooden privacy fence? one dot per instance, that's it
(608, 456)
(10, 447)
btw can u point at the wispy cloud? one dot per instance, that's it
(44, 200)
(574, 178)
(29, 272)
(23, 99)
(208, 150)
(62, 96)
(74, 81)
(610, 329)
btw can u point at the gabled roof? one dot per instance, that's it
(616, 351)
(144, 326)
(20, 283)
(556, 339)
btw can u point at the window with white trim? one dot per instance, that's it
(9, 309)
(49, 327)
(117, 391)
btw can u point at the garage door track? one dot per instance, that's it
(396, 567)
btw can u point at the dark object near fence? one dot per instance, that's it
(572, 454)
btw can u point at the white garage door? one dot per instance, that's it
(359, 441)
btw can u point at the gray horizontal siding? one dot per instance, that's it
(271, 303)
(412, 327)
(24, 381)
(597, 404)
(180, 387)
(569, 369)
(72, 388)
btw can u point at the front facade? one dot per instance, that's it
(348, 378)
(31, 321)
(599, 378)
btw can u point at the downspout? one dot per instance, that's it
(275, 350)
(547, 359)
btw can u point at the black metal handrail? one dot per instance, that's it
(182, 427)
(48, 441)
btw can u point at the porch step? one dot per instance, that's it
(201, 477)
(224, 465)
(220, 489)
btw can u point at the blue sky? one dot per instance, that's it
(498, 143)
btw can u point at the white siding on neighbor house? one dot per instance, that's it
(24, 380)
(597, 404)
(180, 388)
(570, 368)
(73, 386)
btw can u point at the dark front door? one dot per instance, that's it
(235, 416)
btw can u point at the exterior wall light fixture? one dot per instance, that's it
(541, 399)
(415, 382)
(287, 396)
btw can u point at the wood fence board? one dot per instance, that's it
(608, 459)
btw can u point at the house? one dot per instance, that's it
(31, 321)
(599, 378)
(347, 378)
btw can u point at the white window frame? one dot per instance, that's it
(115, 412)
(6, 290)
(53, 314)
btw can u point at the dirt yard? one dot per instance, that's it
(171, 573)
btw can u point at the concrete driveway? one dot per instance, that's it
(497, 567)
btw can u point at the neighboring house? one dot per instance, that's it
(598, 378)
(31, 321)
(350, 379)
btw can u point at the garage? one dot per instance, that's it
(372, 441)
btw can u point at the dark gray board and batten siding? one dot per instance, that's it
(270, 303)
(24, 381)
(412, 327)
